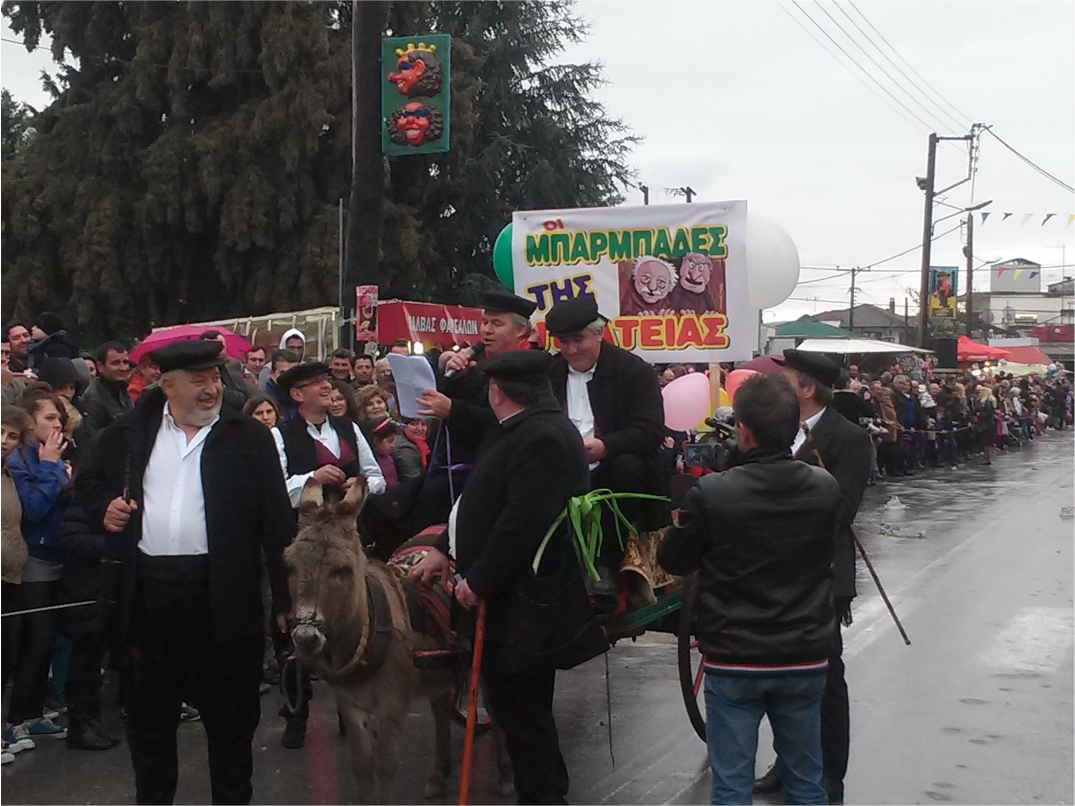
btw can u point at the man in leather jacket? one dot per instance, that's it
(762, 536)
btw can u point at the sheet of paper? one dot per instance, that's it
(413, 374)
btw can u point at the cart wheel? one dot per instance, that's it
(459, 711)
(690, 659)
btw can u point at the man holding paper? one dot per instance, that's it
(462, 403)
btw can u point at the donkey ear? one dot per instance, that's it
(312, 498)
(352, 501)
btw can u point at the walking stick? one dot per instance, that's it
(472, 705)
(861, 548)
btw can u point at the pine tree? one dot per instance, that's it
(190, 166)
(18, 125)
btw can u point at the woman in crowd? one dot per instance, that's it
(144, 374)
(372, 403)
(986, 411)
(342, 401)
(382, 433)
(410, 449)
(264, 409)
(40, 476)
(888, 449)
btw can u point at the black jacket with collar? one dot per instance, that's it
(845, 451)
(628, 413)
(247, 511)
(525, 471)
(103, 403)
(761, 535)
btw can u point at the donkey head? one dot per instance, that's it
(326, 568)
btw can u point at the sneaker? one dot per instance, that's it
(45, 727)
(16, 739)
(188, 713)
(6, 757)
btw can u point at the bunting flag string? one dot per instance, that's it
(1046, 217)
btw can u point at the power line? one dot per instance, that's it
(1033, 165)
(909, 65)
(888, 75)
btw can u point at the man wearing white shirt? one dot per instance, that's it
(165, 481)
(333, 452)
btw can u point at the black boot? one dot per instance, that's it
(769, 783)
(294, 733)
(89, 738)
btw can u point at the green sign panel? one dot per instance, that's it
(415, 94)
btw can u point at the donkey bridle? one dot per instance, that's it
(372, 646)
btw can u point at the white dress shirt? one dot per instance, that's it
(327, 436)
(579, 411)
(173, 501)
(800, 435)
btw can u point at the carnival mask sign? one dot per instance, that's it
(415, 96)
(942, 292)
(671, 278)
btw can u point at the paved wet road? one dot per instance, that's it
(979, 709)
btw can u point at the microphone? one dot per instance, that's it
(472, 354)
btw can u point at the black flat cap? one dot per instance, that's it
(49, 322)
(571, 316)
(817, 366)
(505, 301)
(299, 373)
(519, 366)
(58, 373)
(189, 354)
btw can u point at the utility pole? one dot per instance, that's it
(906, 320)
(645, 193)
(851, 310)
(968, 252)
(927, 240)
(689, 193)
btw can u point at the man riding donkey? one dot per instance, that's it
(333, 452)
(528, 466)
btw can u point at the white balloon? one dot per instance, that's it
(772, 263)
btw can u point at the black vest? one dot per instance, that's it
(300, 448)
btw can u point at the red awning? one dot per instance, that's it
(1031, 354)
(967, 350)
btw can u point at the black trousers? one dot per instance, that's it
(625, 473)
(33, 655)
(522, 706)
(84, 679)
(174, 658)
(836, 708)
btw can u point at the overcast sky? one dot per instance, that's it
(738, 101)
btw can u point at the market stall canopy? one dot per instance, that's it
(1029, 354)
(856, 347)
(807, 327)
(967, 350)
(1018, 369)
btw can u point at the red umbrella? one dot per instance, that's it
(763, 364)
(235, 345)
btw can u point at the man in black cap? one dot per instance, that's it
(462, 402)
(332, 451)
(613, 398)
(844, 449)
(165, 481)
(530, 463)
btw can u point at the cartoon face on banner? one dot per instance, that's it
(418, 71)
(670, 278)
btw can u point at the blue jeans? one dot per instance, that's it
(734, 708)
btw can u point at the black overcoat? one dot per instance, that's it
(247, 511)
(526, 470)
(628, 413)
(845, 450)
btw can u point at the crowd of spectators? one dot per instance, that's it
(55, 401)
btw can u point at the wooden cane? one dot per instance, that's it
(861, 548)
(472, 705)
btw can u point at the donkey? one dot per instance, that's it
(353, 627)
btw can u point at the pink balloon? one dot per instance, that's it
(686, 401)
(735, 379)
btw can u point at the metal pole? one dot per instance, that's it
(968, 308)
(645, 193)
(927, 241)
(851, 310)
(906, 321)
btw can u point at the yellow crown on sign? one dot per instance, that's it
(411, 48)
